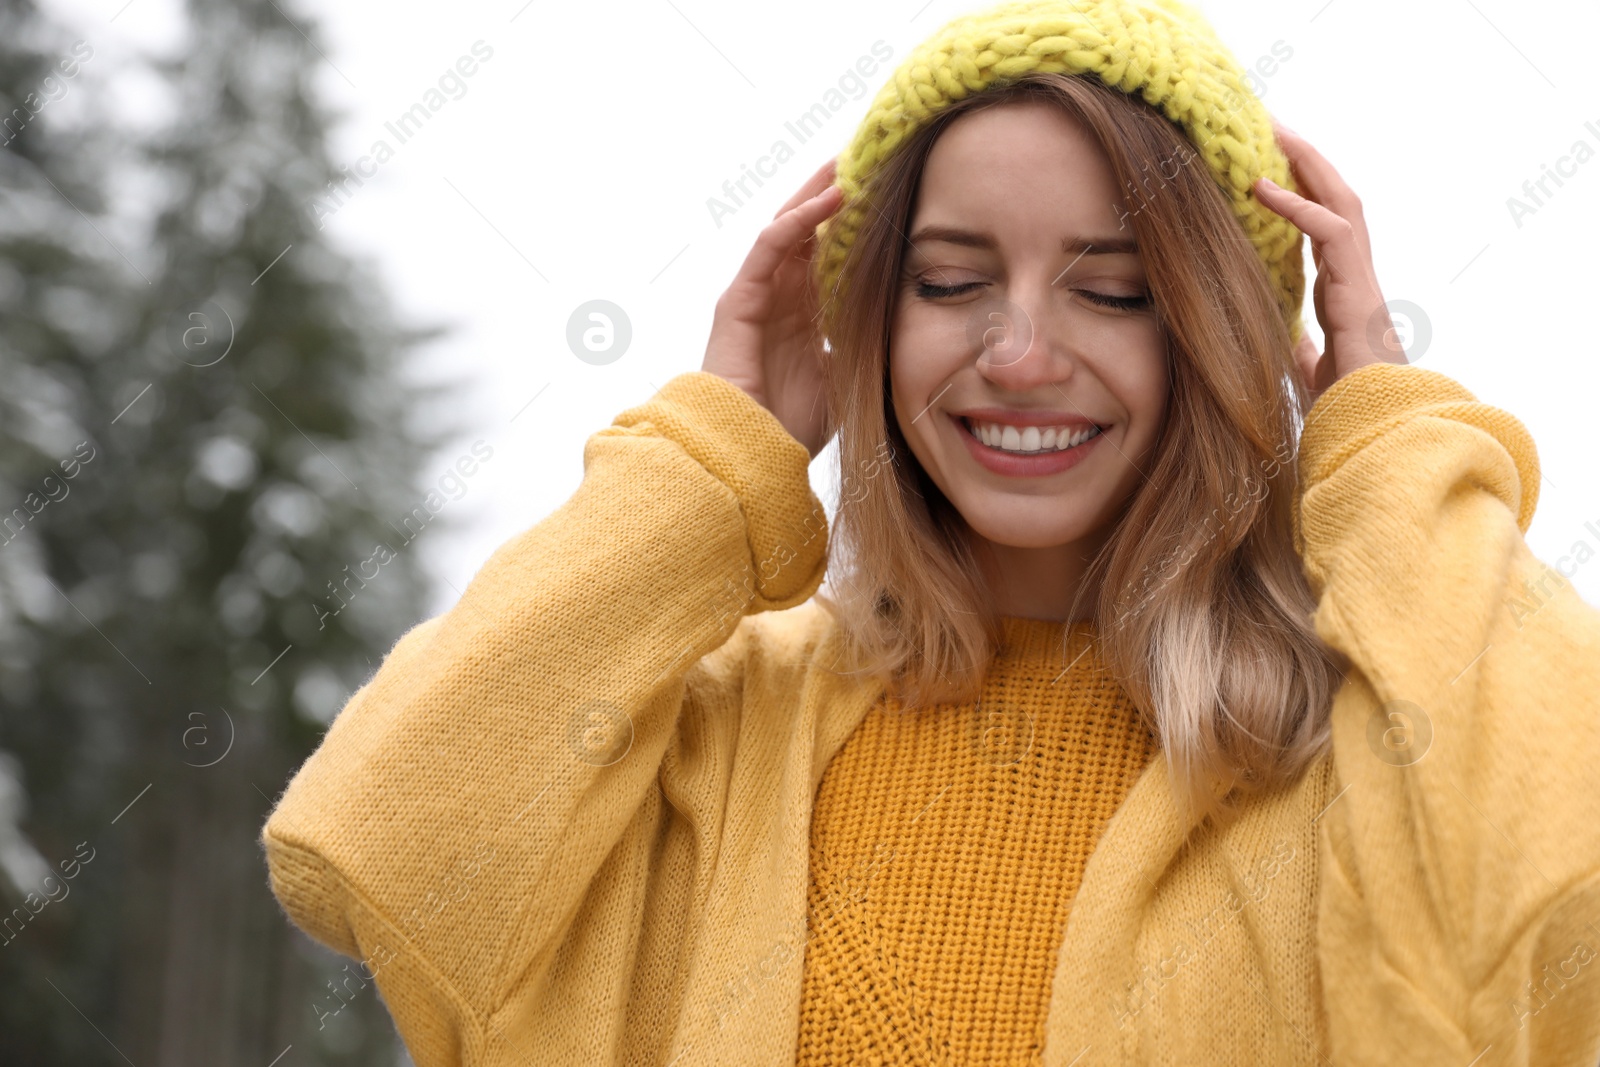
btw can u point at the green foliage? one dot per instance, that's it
(168, 308)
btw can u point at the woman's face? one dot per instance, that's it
(1023, 312)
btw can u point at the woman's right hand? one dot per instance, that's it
(764, 333)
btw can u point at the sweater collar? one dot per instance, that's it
(1046, 640)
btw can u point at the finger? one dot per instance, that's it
(1318, 175)
(819, 180)
(780, 238)
(1306, 358)
(1320, 180)
(1331, 235)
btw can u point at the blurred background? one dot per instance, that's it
(269, 272)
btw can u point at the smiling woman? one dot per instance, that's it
(1129, 307)
(1098, 748)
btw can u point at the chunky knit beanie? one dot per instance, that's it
(1163, 50)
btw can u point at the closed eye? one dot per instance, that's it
(1126, 303)
(930, 291)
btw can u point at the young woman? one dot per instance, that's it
(1181, 695)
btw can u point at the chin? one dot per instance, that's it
(1028, 530)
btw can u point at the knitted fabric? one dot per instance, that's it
(947, 844)
(521, 891)
(1163, 51)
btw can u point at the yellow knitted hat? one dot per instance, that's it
(1163, 50)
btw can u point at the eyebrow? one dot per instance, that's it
(1096, 246)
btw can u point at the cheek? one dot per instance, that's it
(909, 365)
(1144, 386)
(920, 365)
(1151, 392)
(907, 382)
(926, 347)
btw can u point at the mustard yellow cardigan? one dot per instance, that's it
(567, 821)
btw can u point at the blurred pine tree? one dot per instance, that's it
(169, 311)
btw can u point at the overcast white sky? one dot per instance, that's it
(577, 161)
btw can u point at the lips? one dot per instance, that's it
(1002, 443)
(1020, 417)
(1008, 438)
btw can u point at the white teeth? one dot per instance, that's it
(1031, 438)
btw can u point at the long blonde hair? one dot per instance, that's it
(1203, 612)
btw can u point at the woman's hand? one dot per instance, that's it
(1346, 294)
(764, 336)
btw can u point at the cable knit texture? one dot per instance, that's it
(946, 846)
(1162, 51)
(571, 820)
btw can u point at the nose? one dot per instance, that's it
(1017, 343)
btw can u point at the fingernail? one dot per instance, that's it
(1269, 183)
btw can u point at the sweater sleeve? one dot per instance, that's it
(449, 827)
(1459, 917)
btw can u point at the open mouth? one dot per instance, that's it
(1029, 440)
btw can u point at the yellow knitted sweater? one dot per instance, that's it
(570, 820)
(946, 846)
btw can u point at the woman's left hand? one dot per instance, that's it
(1350, 308)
